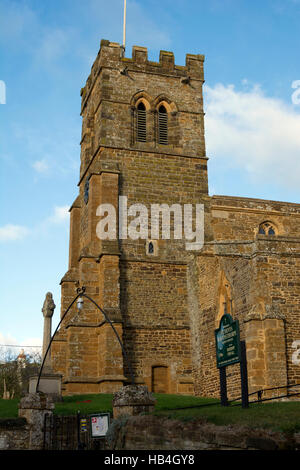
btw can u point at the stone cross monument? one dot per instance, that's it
(48, 310)
(50, 382)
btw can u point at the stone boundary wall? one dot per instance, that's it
(158, 433)
(14, 434)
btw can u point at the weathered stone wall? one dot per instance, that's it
(154, 433)
(211, 268)
(152, 347)
(154, 294)
(151, 432)
(237, 218)
(262, 273)
(14, 434)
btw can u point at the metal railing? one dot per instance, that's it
(260, 393)
(233, 401)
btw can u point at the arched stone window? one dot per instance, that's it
(141, 122)
(166, 121)
(267, 228)
(162, 125)
(224, 298)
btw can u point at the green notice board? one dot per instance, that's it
(228, 349)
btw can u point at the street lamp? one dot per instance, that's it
(80, 304)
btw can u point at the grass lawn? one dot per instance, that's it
(278, 416)
(281, 416)
(9, 408)
(86, 404)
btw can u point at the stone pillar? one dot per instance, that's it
(48, 310)
(50, 382)
(33, 407)
(132, 400)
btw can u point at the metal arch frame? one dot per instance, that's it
(81, 293)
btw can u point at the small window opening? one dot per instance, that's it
(266, 229)
(150, 248)
(162, 125)
(141, 122)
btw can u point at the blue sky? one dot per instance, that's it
(46, 52)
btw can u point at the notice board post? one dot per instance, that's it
(230, 350)
(223, 386)
(244, 376)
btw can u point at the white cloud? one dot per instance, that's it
(28, 343)
(21, 24)
(41, 166)
(51, 143)
(253, 132)
(7, 339)
(61, 214)
(16, 19)
(10, 347)
(58, 218)
(53, 45)
(12, 232)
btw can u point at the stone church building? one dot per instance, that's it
(143, 138)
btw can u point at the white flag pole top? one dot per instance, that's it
(124, 26)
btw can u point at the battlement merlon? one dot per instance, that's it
(111, 54)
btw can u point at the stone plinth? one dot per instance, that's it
(133, 400)
(33, 407)
(50, 384)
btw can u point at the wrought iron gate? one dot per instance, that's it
(69, 433)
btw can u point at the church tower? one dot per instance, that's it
(143, 144)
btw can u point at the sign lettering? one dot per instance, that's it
(227, 341)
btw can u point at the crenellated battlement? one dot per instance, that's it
(111, 55)
(114, 52)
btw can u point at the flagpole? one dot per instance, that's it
(124, 26)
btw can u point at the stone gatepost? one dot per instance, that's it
(133, 400)
(33, 407)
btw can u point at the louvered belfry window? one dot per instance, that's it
(162, 125)
(141, 123)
